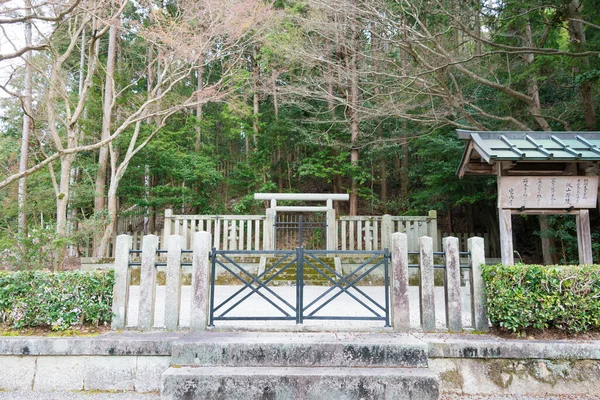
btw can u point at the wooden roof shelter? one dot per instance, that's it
(538, 173)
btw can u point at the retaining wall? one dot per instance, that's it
(469, 364)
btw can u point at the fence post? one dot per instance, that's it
(173, 288)
(426, 283)
(269, 230)
(432, 230)
(452, 285)
(400, 306)
(331, 227)
(167, 228)
(147, 282)
(386, 231)
(200, 275)
(478, 307)
(121, 287)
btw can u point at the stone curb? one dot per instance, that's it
(491, 347)
(110, 344)
(438, 345)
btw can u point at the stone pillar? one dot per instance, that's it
(400, 304)
(432, 230)
(173, 288)
(426, 284)
(452, 286)
(121, 287)
(478, 309)
(331, 227)
(147, 282)
(167, 228)
(269, 233)
(200, 281)
(386, 231)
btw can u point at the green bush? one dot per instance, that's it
(534, 296)
(60, 300)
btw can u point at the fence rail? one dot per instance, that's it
(374, 232)
(230, 232)
(254, 232)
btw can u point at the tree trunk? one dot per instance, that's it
(25, 135)
(578, 38)
(404, 175)
(100, 186)
(549, 255)
(354, 129)
(62, 197)
(535, 107)
(199, 105)
(256, 80)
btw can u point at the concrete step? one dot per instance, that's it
(293, 349)
(307, 383)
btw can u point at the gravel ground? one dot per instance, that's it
(255, 305)
(76, 396)
(131, 396)
(516, 397)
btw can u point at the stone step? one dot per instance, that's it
(293, 349)
(308, 383)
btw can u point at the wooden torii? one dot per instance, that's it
(538, 173)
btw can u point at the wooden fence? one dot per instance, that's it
(229, 232)
(251, 232)
(373, 233)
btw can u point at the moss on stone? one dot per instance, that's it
(453, 377)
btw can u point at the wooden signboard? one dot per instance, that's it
(547, 192)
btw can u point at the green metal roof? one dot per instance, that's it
(487, 148)
(535, 146)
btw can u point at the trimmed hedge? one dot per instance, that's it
(534, 296)
(30, 299)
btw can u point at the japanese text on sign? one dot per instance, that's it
(539, 192)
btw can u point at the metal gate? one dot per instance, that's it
(307, 230)
(298, 285)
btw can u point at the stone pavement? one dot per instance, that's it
(76, 396)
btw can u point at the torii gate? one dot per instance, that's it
(328, 209)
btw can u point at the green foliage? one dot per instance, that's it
(534, 296)
(35, 250)
(60, 300)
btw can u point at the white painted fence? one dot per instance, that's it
(256, 232)
(374, 232)
(229, 232)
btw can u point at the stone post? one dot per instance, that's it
(173, 288)
(121, 287)
(269, 233)
(331, 227)
(426, 283)
(432, 230)
(386, 231)
(200, 281)
(400, 306)
(147, 282)
(478, 308)
(167, 228)
(452, 285)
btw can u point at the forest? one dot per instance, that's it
(118, 108)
